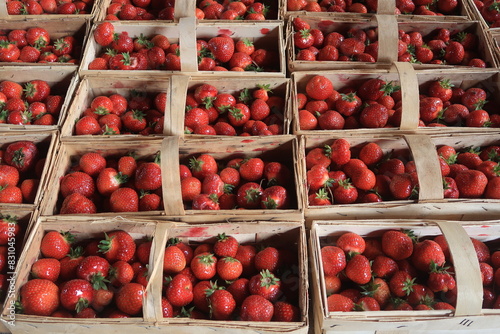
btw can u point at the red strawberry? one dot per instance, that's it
(267, 259)
(440, 279)
(56, 245)
(77, 203)
(76, 295)
(204, 266)
(266, 285)
(39, 297)
(21, 155)
(174, 260)
(104, 33)
(274, 197)
(77, 182)
(471, 183)
(426, 252)
(46, 268)
(339, 303)
(117, 246)
(398, 244)
(179, 291)
(94, 269)
(319, 87)
(70, 262)
(222, 304)
(124, 200)
(351, 242)
(129, 298)
(222, 47)
(256, 308)
(454, 53)
(225, 246)
(401, 283)
(358, 269)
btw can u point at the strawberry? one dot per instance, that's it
(441, 89)
(339, 303)
(471, 183)
(319, 87)
(94, 269)
(174, 260)
(204, 266)
(77, 203)
(179, 291)
(222, 48)
(37, 36)
(11, 194)
(77, 182)
(274, 197)
(401, 186)
(425, 253)
(206, 202)
(148, 175)
(92, 163)
(39, 297)
(345, 193)
(398, 245)
(46, 268)
(401, 284)
(9, 176)
(124, 200)
(21, 155)
(104, 33)
(246, 256)
(117, 246)
(222, 304)
(440, 279)
(454, 53)
(87, 125)
(351, 242)
(358, 269)
(203, 165)
(267, 259)
(249, 195)
(225, 246)
(229, 269)
(101, 298)
(69, 263)
(11, 89)
(129, 298)
(120, 273)
(76, 295)
(265, 284)
(56, 245)
(256, 308)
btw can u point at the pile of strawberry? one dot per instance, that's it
(337, 6)
(9, 230)
(21, 167)
(490, 11)
(34, 45)
(240, 183)
(123, 52)
(233, 10)
(101, 277)
(375, 103)
(251, 112)
(140, 10)
(340, 174)
(399, 272)
(222, 53)
(354, 44)
(31, 104)
(442, 104)
(30, 7)
(442, 46)
(231, 281)
(114, 114)
(470, 173)
(111, 184)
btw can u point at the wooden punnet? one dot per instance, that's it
(46, 143)
(69, 153)
(76, 27)
(182, 84)
(83, 228)
(430, 202)
(92, 86)
(282, 234)
(62, 81)
(384, 7)
(468, 314)
(269, 148)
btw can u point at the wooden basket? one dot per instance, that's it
(468, 314)
(383, 8)
(401, 74)
(134, 28)
(51, 17)
(264, 34)
(387, 39)
(430, 202)
(281, 234)
(92, 86)
(83, 228)
(69, 152)
(62, 81)
(182, 84)
(269, 148)
(46, 143)
(76, 27)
